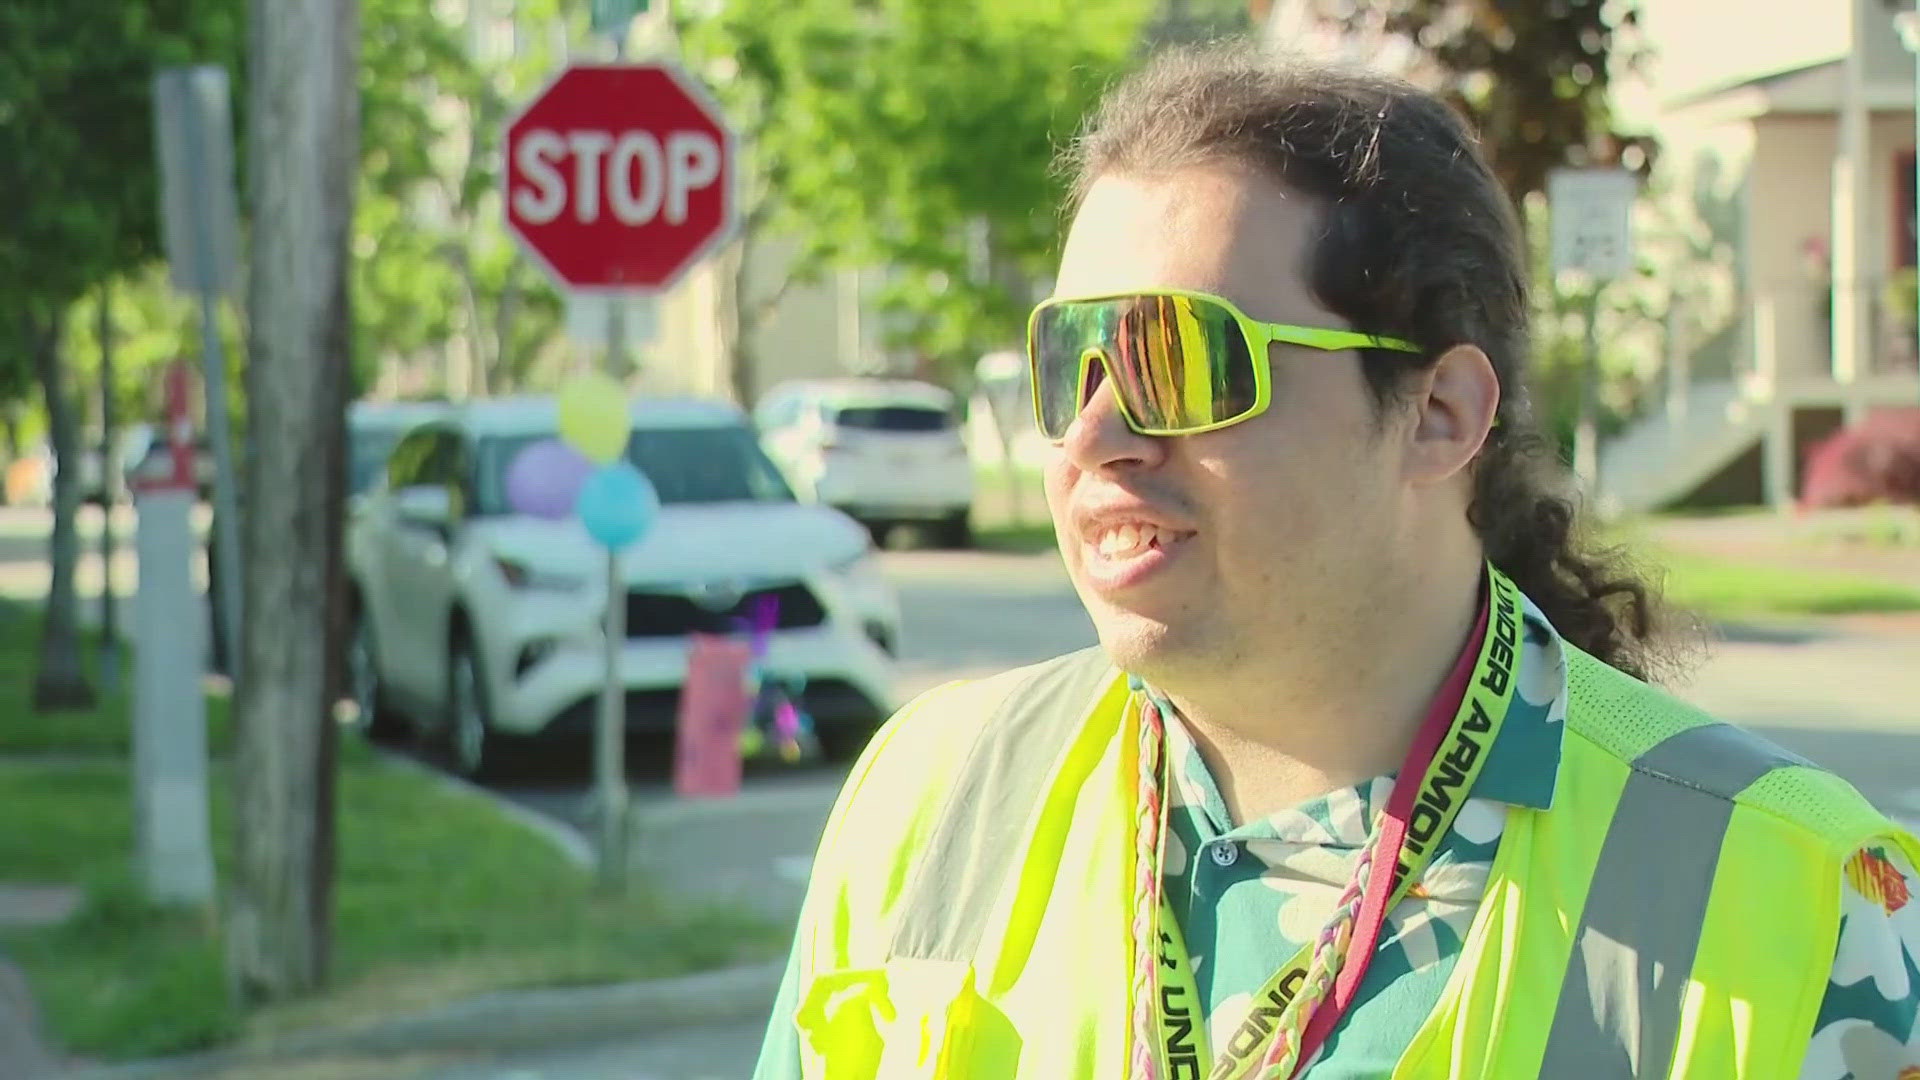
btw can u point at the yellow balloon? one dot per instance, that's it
(594, 418)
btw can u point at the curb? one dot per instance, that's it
(508, 1021)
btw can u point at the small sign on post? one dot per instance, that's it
(1592, 221)
(1591, 233)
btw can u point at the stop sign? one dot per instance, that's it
(619, 176)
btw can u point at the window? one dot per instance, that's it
(411, 460)
(892, 418)
(433, 456)
(686, 465)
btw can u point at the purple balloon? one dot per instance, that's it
(545, 479)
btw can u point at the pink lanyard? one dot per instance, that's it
(1346, 944)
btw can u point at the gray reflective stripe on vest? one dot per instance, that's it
(1619, 1010)
(986, 816)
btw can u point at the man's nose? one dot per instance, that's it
(1100, 438)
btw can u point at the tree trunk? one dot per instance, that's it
(479, 363)
(507, 366)
(61, 681)
(738, 325)
(302, 119)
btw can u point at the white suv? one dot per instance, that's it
(479, 625)
(886, 451)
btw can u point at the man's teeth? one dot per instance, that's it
(1127, 539)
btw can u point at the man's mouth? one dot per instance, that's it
(1122, 540)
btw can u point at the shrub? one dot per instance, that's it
(1874, 461)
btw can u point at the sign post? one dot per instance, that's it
(1592, 236)
(200, 226)
(1004, 382)
(619, 178)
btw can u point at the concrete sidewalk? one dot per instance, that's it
(24, 1054)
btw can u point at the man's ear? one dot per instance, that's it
(1455, 401)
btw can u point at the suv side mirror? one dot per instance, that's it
(426, 506)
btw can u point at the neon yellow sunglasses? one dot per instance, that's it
(1180, 362)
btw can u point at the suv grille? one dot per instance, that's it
(660, 614)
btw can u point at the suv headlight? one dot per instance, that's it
(521, 576)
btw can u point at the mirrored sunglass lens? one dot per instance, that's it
(1177, 363)
(1182, 363)
(1061, 335)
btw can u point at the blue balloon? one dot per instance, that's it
(618, 505)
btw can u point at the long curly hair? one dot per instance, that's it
(1417, 240)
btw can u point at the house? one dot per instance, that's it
(1821, 329)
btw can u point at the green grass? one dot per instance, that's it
(104, 729)
(1723, 589)
(438, 896)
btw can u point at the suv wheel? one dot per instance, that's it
(470, 738)
(374, 719)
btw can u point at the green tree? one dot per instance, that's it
(76, 146)
(914, 135)
(1533, 77)
(434, 259)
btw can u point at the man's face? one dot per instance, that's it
(1197, 553)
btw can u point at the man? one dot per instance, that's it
(1362, 781)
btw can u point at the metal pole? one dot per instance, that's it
(610, 727)
(224, 568)
(616, 336)
(609, 752)
(226, 513)
(109, 498)
(1586, 437)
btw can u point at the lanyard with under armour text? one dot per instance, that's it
(1439, 772)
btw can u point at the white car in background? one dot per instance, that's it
(478, 624)
(886, 451)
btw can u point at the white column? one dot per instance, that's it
(1776, 461)
(1852, 276)
(173, 838)
(1765, 328)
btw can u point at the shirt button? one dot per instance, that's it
(1225, 853)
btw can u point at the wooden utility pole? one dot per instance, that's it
(302, 117)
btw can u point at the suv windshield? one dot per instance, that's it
(686, 465)
(891, 418)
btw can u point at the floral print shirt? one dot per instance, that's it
(1248, 896)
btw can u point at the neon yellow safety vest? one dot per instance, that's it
(1673, 915)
